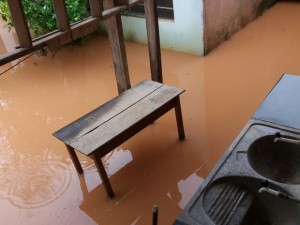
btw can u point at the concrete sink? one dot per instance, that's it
(234, 192)
(235, 200)
(278, 161)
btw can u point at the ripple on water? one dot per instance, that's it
(35, 181)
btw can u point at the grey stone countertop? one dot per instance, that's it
(282, 105)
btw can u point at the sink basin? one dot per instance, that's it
(278, 161)
(230, 201)
(236, 201)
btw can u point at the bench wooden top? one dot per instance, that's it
(106, 122)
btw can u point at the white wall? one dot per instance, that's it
(184, 34)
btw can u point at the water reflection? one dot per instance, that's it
(137, 219)
(188, 187)
(4, 104)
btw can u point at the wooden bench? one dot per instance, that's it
(108, 126)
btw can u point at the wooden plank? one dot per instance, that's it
(153, 40)
(96, 8)
(113, 11)
(129, 122)
(84, 28)
(117, 44)
(61, 15)
(16, 54)
(59, 39)
(106, 112)
(109, 12)
(20, 23)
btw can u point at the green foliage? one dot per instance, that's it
(40, 14)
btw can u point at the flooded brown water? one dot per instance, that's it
(39, 184)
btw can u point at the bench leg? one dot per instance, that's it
(74, 158)
(103, 175)
(179, 119)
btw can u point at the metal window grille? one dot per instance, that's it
(164, 10)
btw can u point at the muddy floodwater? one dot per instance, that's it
(38, 182)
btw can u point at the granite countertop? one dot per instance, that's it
(282, 105)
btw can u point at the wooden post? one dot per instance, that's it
(154, 214)
(20, 23)
(61, 15)
(117, 44)
(153, 40)
(96, 8)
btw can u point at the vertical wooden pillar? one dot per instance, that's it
(153, 40)
(61, 15)
(20, 23)
(117, 44)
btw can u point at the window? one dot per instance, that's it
(164, 10)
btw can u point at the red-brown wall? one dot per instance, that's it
(222, 18)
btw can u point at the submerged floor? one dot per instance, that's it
(38, 183)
